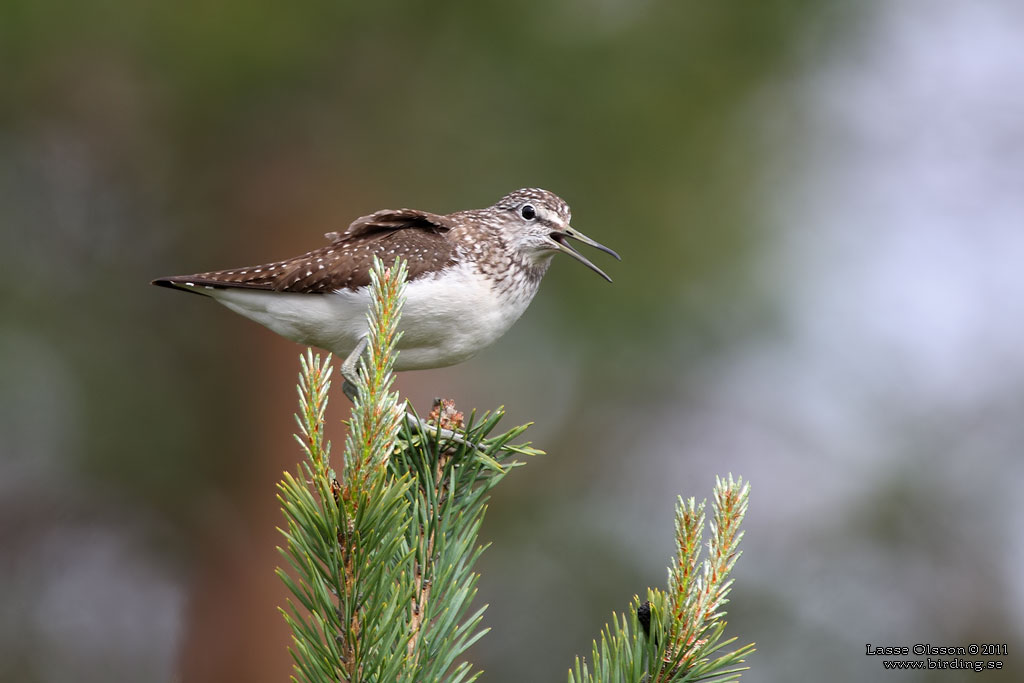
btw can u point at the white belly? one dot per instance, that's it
(445, 320)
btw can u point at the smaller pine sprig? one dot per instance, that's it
(674, 636)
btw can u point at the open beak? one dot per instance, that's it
(560, 238)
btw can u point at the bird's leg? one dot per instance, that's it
(350, 372)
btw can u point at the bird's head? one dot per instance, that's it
(537, 223)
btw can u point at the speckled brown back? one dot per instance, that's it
(421, 238)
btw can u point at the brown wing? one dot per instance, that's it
(394, 219)
(418, 237)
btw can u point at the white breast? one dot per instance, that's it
(447, 318)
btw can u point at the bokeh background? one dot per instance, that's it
(820, 209)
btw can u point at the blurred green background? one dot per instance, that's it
(819, 210)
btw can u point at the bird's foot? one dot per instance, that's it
(446, 427)
(444, 423)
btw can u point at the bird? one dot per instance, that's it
(471, 275)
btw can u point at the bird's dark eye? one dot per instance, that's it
(528, 212)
